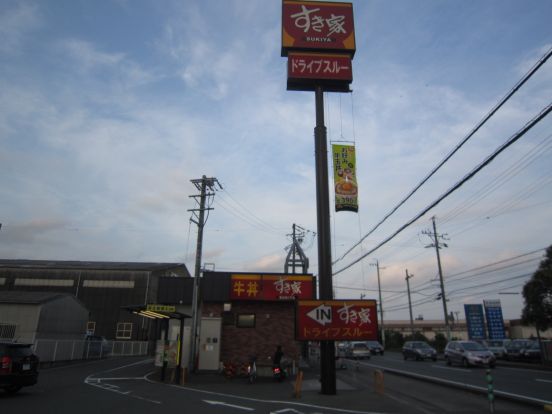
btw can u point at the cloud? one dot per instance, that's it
(16, 24)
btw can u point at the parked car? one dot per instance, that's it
(514, 348)
(497, 347)
(418, 350)
(358, 350)
(469, 353)
(18, 366)
(531, 352)
(375, 347)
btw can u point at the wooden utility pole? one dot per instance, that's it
(408, 277)
(435, 238)
(203, 185)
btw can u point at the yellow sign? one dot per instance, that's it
(161, 308)
(345, 182)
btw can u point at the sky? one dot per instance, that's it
(109, 108)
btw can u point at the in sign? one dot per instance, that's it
(321, 314)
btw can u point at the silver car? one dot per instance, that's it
(358, 350)
(469, 353)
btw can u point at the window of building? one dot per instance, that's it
(124, 330)
(44, 282)
(117, 284)
(90, 328)
(246, 320)
(7, 330)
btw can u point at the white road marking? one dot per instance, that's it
(286, 410)
(542, 380)
(297, 404)
(229, 405)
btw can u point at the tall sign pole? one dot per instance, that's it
(319, 40)
(327, 348)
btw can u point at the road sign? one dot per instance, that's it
(341, 320)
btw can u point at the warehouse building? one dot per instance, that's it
(104, 288)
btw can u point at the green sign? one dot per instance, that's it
(161, 308)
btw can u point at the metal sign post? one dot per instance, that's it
(319, 40)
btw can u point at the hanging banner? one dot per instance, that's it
(495, 322)
(345, 183)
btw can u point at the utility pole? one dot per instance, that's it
(296, 256)
(206, 187)
(382, 327)
(408, 277)
(435, 238)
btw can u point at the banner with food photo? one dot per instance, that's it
(345, 183)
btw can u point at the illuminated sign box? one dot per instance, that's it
(316, 25)
(336, 320)
(332, 71)
(271, 287)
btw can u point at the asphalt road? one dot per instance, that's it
(530, 384)
(128, 385)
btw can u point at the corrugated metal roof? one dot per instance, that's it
(24, 297)
(68, 264)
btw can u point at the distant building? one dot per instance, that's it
(103, 287)
(28, 316)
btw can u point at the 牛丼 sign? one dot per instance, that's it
(340, 320)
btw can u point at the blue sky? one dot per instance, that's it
(109, 108)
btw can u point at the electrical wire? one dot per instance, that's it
(466, 178)
(518, 85)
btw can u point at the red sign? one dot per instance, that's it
(339, 320)
(320, 66)
(248, 287)
(315, 25)
(287, 287)
(271, 287)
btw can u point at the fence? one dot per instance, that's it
(51, 350)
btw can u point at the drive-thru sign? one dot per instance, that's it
(341, 320)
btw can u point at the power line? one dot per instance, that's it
(518, 85)
(466, 178)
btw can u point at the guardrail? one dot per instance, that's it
(51, 350)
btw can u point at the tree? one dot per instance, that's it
(537, 293)
(439, 342)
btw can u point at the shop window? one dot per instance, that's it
(246, 320)
(124, 330)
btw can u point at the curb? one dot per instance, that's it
(547, 405)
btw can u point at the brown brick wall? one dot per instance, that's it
(274, 325)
